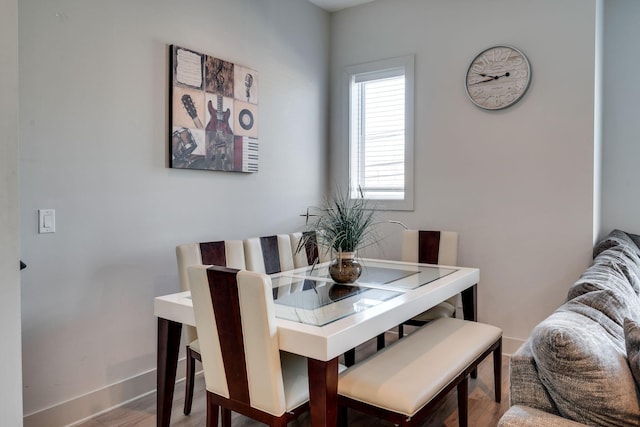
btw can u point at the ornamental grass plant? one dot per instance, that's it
(343, 224)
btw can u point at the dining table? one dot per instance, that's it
(320, 319)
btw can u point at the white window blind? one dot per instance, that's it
(379, 135)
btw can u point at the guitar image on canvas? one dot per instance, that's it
(219, 137)
(191, 110)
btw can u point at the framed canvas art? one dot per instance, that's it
(213, 113)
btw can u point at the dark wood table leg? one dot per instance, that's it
(168, 348)
(470, 310)
(380, 341)
(470, 303)
(323, 392)
(350, 357)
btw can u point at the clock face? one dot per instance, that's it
(498, 77)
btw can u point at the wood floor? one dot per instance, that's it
(483, 411)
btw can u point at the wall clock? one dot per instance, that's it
(498, 77)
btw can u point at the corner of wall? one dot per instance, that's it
(597, 121)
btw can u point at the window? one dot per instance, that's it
(381, 132)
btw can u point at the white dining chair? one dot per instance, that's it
(244, 369)
(307, 252)
(269, 254)
(227, 253)
(429, 247)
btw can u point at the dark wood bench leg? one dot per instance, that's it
(497, 370)
(463, 401)
(400, 330)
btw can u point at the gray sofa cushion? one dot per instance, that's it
(632, 341)
(606, 308)
(626, 260)
(621, 249)
(524, 416)
(525, 387)
(614, 269)
(587, 377)
(617, 238)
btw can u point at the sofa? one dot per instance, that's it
(581, 365)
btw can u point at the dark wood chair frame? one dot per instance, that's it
(192, 356)
(216, 402)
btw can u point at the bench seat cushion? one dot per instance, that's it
(407, 375)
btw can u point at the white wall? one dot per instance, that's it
(621, 127)
(517, 183)
(93, 124)
(10, 350)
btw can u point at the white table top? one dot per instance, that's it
(373, 309)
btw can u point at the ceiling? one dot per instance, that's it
(335, 5)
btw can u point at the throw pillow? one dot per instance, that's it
(586, 375)
(632, 341)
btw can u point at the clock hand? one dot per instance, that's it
(491, 78)
(494, 77)
(483, 81)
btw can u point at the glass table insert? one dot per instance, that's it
(309, 295)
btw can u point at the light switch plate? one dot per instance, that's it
(46, 221)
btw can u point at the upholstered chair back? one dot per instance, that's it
(226, 253)
(236, 324)
(430, 247)
(269, 254)
(311, 251)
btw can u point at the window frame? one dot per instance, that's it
(371, 71)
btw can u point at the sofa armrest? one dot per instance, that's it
(525, 386)
(524, 416)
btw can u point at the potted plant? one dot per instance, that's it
(343, 227)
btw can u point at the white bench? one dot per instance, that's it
(404, 381)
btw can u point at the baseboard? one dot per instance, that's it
(81, 408)
(510, 345)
